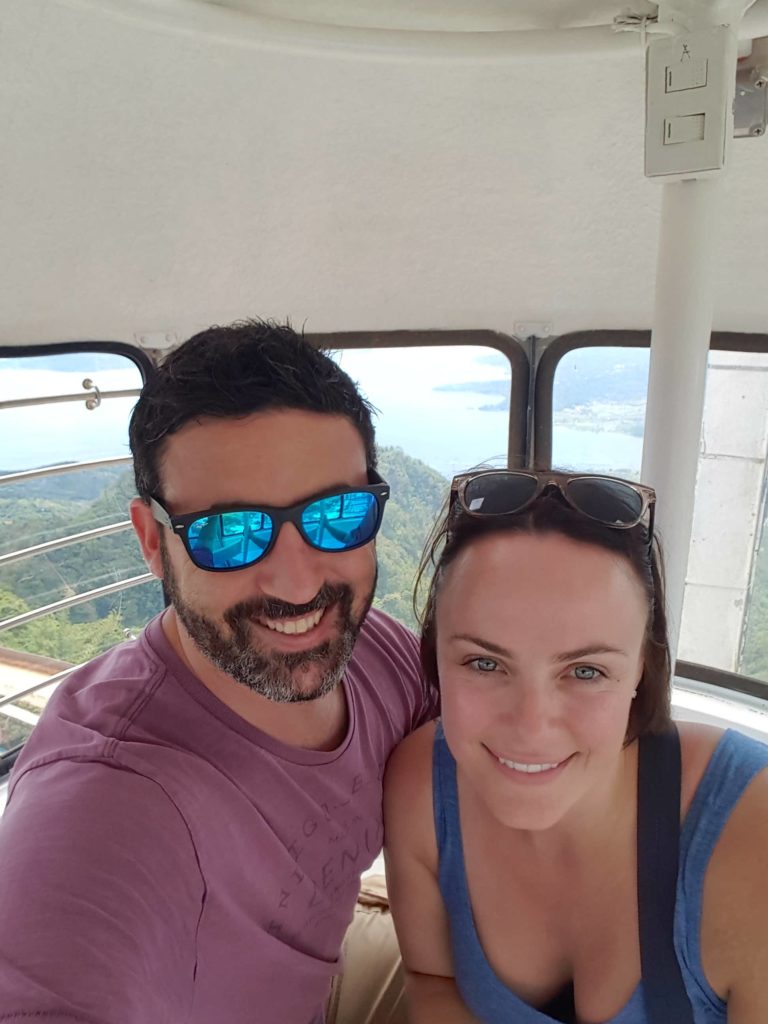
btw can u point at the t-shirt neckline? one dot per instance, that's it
(162, 650)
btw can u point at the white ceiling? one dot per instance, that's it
(164, 167)
(439, 15)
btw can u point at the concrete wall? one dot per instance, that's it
(729, 508)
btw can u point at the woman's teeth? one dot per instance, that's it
(293, 625)
(529, 769)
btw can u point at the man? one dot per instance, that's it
(187, 825)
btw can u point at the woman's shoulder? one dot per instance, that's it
(724, 858)
(697, 745)
(411, 760)
(726, 774)
(723, 761)
(408, 821)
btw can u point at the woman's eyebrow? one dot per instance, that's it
(579, 652)
(589, 649)
(487, 644)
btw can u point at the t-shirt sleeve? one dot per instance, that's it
(427, 697)
(392, 647)
(100, 898)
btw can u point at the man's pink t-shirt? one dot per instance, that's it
(164, 862)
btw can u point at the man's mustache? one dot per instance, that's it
(273, 608)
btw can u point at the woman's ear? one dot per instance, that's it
(148, 531)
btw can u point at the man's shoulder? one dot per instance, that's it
(93, 705)
(126, 665)
(123, 671)
(382, 623)
(386, 666)
(385, 644)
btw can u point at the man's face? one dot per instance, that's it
(286, 626)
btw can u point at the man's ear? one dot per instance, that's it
(148, 531)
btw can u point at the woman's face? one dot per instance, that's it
(539, 649)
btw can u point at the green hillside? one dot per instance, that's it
(81, 632)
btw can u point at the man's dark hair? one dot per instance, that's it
(250, 366)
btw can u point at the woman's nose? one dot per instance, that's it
(530, 708)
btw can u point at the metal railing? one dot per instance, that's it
(63, 542)
(39, 684)
(70, 602)
(101, 531)
(65, 467)
(92, 397)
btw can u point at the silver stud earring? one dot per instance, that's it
(634, 694)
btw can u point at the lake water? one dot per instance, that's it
(449, 430)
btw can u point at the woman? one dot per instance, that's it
(511, 825)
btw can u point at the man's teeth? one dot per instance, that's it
(529, 769)
(293, 625)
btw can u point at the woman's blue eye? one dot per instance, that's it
(484, 664)
(587, 673)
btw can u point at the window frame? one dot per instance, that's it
(146, 367)
(137, 355)
(533, 364)
(506, 344)
(547, 355)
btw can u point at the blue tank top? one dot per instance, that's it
(734, 763)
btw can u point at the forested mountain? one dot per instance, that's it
(42, 510)
(418, 492)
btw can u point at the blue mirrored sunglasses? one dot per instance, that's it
(225, 539)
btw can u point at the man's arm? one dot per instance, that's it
(100, 897)
(417, 905)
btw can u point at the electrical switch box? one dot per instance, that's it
(690, 85)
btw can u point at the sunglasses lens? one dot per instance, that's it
(229, 540)
(341, 521)
(498, 494)
(609, 501)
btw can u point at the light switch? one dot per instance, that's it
(687, 73)
(689, 128)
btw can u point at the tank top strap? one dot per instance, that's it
(445, 795)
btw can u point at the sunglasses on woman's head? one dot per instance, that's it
(235, 537)
(620, 504)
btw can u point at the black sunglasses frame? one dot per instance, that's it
(549, 478)
(180, 524)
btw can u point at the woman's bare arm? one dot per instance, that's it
(411, 857)
(735, 916)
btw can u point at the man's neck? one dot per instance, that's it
(313, 725)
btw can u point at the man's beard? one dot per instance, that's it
(275, 675)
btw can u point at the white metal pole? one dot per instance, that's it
(682, 325)
(679, 348)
